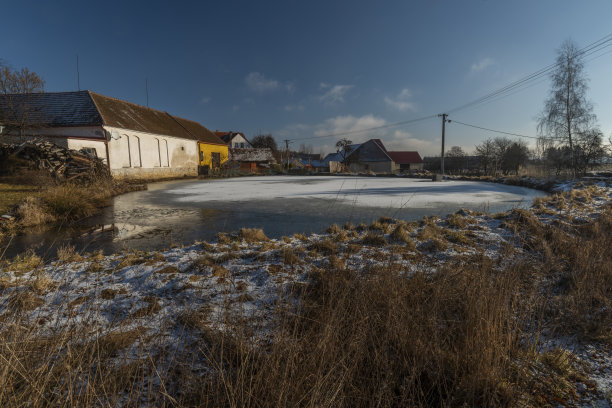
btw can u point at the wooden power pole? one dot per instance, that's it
(444, 116)
(287, 152)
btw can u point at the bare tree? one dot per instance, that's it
(486, 155)
(17, 98)
(265, 141)
(568, 115)
(344, 147)
(514, 157)
(456, 158)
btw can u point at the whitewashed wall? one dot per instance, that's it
(139, 154)
(133, 155)
(239, 142)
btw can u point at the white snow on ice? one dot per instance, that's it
(358, 191)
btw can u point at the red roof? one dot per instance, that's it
(380, 143)
(405, 157)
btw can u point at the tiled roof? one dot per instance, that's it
(57, 109)
(87, 108)
(118, 113)
(405, 157)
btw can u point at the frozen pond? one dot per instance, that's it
(184, 211)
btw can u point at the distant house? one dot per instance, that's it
(406, 161)
(253, 159)
(372, 156)
(233, 140)
(134, 141)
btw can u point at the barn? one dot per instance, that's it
(133, 140)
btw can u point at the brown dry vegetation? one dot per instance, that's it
(464, 334)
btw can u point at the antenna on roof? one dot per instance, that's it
(78, 74)
(147, 90)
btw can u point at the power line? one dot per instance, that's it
(502, 132)
(592, 48)
(510, 89)
(396, 124)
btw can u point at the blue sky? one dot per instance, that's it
(299, 69)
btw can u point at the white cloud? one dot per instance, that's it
(335, 94)
(402, 140)
(205, 99)
(402, 101)
(258, 83)
(292, 108)
(350, 123)
(481, 65)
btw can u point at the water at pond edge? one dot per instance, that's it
(181, 212)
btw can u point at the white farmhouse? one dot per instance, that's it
(135, 141)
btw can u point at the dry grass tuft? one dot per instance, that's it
(32, 212)
(169, 269)
(24, 263)
(333, 229)
(301, 237)
(373, 239)
(41, 284)
(223, 238)
(401, 234)
(252, 235)
(66, 253)
(457, 221)
(289, 256)
(327, 247)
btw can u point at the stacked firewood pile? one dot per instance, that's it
(63, 164)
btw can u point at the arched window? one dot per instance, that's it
(159, 157)
(135, 157)
(164, 153)
(125, 151)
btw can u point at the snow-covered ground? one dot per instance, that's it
(239, 276)
(358, 191)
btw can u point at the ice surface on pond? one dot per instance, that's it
(358, 191)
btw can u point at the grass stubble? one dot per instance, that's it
(467, 332)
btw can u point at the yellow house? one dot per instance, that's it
(212, 155)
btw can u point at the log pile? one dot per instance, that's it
(63, 164)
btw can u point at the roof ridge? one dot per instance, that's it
(181, 125)
(46, 93)
(96, 105)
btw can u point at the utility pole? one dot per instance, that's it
(444, 120)
(287, 152)
(147, 89)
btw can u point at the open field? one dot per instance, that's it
(507, 309)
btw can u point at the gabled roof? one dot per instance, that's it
(405, 157)
(87, 108)
(371, 151)
(227, 137)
